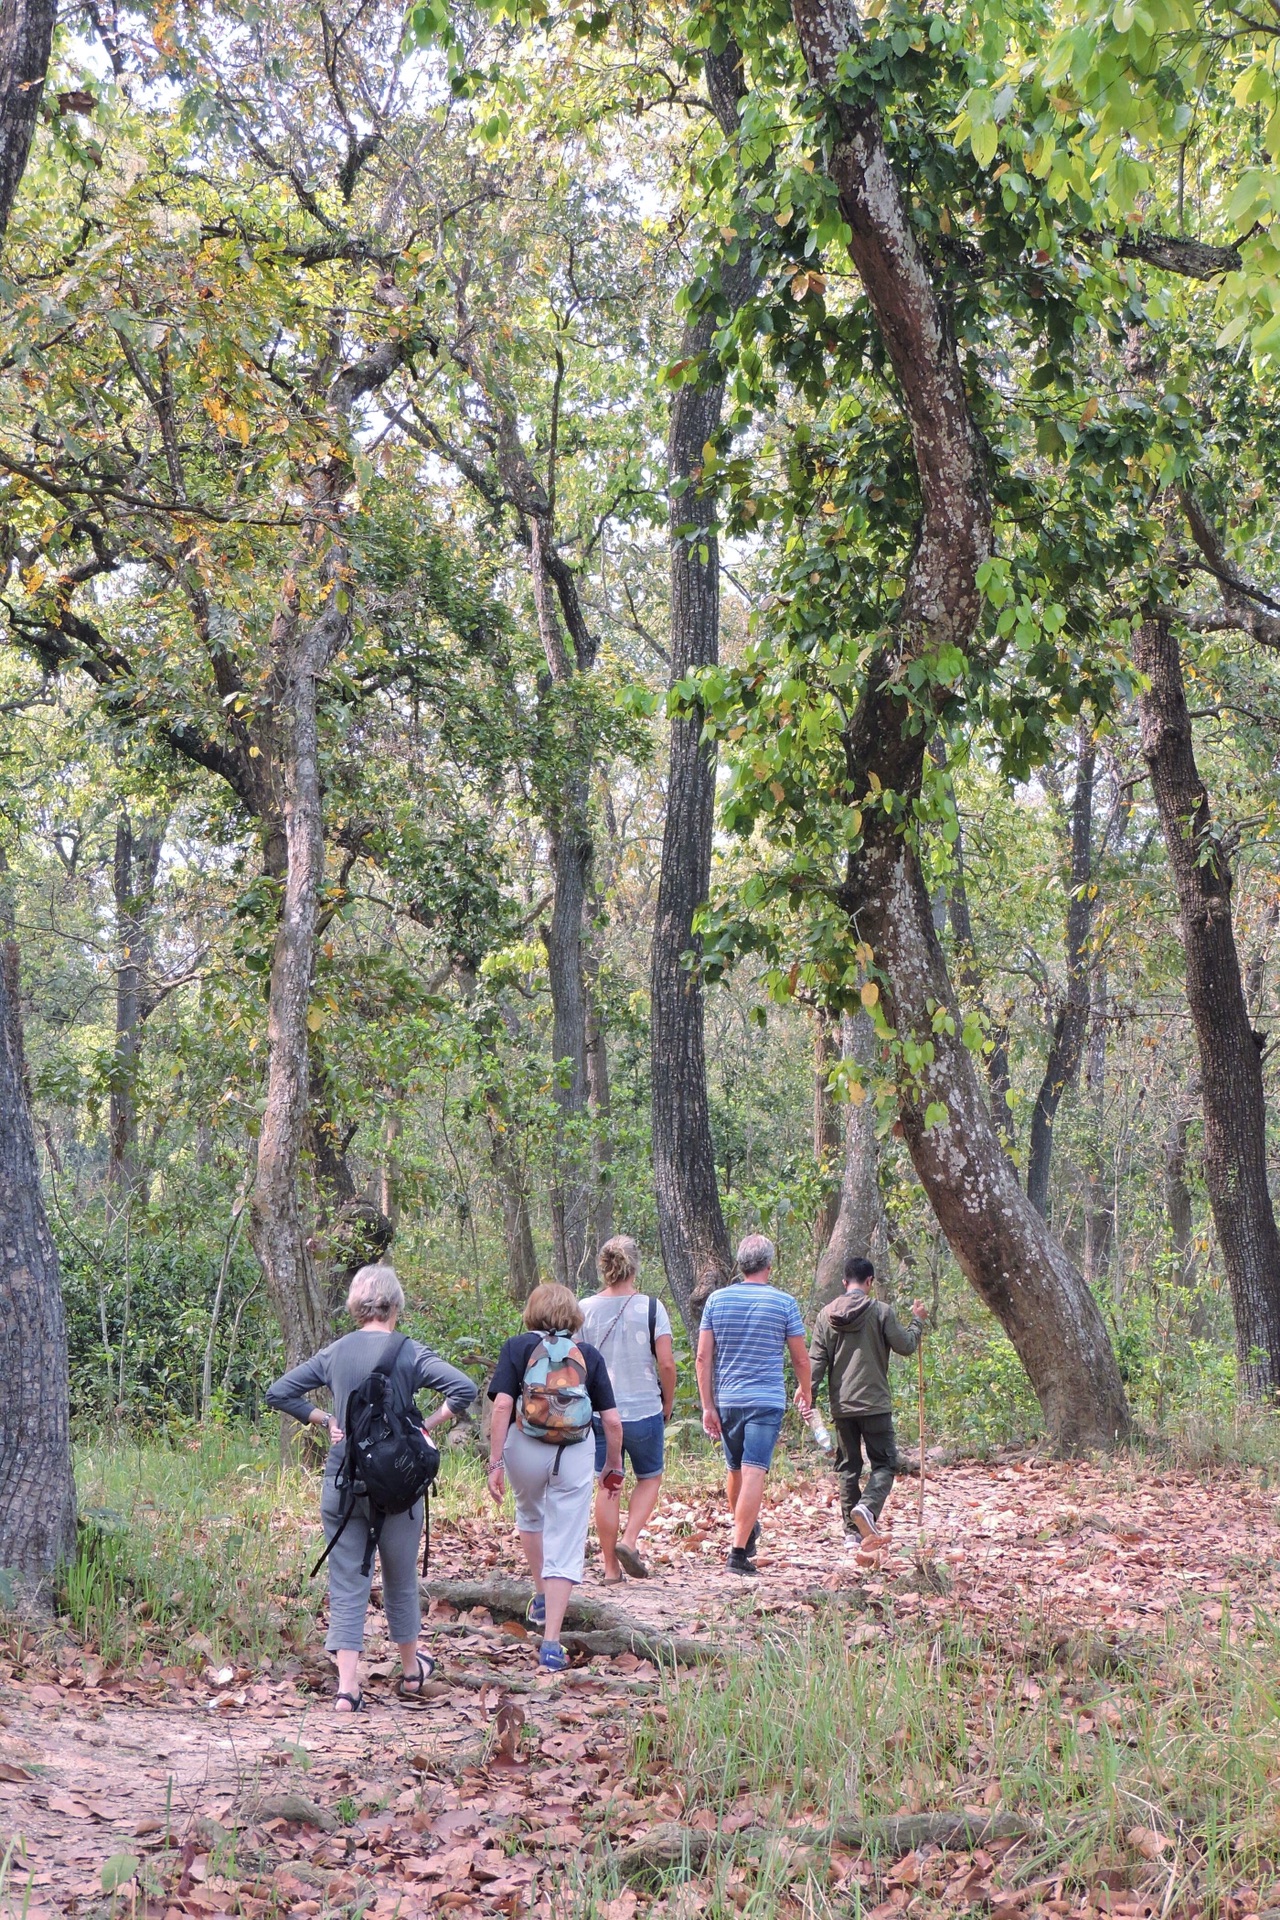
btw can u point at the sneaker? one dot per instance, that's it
(740, 1561)
(753, 1539)
(552, 1656)
(536, 1611)
(865, 1521)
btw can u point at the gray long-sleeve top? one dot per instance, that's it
(347, 1363)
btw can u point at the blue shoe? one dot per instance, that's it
(536, 1611)
(552, 1656)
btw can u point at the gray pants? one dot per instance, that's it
(349, 1588)
(552, 1486)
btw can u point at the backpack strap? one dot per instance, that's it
(342, 1527)
(389, 1359)
(653, 1325)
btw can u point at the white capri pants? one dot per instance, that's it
(552, 1486)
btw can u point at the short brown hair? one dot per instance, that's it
(552, 1310)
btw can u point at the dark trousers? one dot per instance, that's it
(874, 1431)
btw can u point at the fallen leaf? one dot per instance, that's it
(14, 1774)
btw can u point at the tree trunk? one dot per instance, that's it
(826, 1133)
(1072, 1021)
(1235, 1120)
(691, 1229)
(275, 1221)
(134, 870)
(513, 1193)
(601, 1108)
(37, 1487)
(322, 1141)
(26, 35)
(570, 1181)
(389, 1172)
(1099, 1223)
(1000, 1241)
(1181, 1218)
(859, 1225)
(971, 983)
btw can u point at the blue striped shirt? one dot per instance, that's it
(752, 1323)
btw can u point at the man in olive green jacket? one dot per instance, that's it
(851, 1344)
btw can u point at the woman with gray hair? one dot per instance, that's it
(375, 1302)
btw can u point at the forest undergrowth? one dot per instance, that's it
(1077, 1662)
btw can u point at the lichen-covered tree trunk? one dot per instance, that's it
(695, 1242)
(1000, 1241)
(37, 1488)
(303, 650)
(26, 36)
(135, 866)
(1235, 1118)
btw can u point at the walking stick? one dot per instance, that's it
(920, 1382)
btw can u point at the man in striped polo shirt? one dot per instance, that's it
(746, 1329)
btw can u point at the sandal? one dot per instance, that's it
(630, 1559)
(409, 1686)
(354, 1700)
(611, 1579)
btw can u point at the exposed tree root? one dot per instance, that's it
(674, 1850)
(590, 1626)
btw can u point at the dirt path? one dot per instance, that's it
(437, 1809)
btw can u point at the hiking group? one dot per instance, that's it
(582, 1388)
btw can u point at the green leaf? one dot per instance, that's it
(117, 1870)
(984, 140)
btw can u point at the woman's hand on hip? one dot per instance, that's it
(497, 1481)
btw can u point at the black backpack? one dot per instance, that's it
(389, 1462)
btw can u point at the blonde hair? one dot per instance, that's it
(552, 1310)
(375, 1294)
(618, 1259)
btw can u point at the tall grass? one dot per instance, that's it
(201, 1547)
(1186, 1740)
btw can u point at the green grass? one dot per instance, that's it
(200, 1549)
(1185, 1740)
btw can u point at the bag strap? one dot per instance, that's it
(615, 1320)
(653, 1325)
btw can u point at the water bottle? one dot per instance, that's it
(821, 1438)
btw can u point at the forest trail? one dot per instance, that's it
(480, 1801)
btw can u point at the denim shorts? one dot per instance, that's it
(643, 1442)
(749, 1435)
